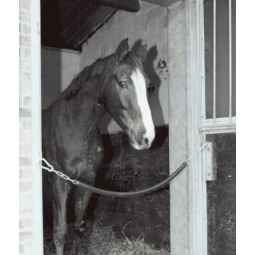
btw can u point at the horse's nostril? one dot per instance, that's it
(143, 140)
(140, 138)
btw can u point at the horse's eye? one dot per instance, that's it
(122, 84)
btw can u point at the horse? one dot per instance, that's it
(70, 129)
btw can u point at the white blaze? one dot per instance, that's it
(140, 87)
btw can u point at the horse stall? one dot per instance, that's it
(183, 52)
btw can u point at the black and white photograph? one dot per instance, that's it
(127, 127)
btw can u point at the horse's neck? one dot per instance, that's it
(89, 71)
(85, 105)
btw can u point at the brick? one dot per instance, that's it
(23, 112)
(129, 28)
(21, 250)
(25, 125)
(24, 64)
(26, 203)
(25, 174)
(25, 5)
(120, 31)
(162, 50)
(26, 76)
(113, 39)
(94, 49)
(162, 22)
(24, 40)
(137, 33)
(110, 21)
(24, 52)
(23, 236)
(28, 246)
(25, 28)
(116, 18)
(104, 49)
(26, 209)
(25, 186)
(25, 137)
(150, 28)
(141, 20)
(27, 100)
(121, 16)
(145, 7)
(24, 149)
(23, 161)
(156, 13)
(162, 36)
(25, 223)
(24, 15)
(24, 88)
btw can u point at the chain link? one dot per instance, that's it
(50, 168)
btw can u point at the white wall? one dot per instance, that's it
(59, 67)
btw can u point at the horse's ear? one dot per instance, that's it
(122, 49)
(142, 52)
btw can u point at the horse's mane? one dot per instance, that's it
(100, 66)
(89, 71)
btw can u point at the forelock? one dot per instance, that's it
(134, 61)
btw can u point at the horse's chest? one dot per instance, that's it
(91, 156)
(87, 163)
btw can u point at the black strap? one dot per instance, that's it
(133, 193)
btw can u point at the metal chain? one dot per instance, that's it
(50, 168)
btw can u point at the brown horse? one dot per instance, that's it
(71, 138)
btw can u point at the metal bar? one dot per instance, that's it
(230, 61)
(202, 90)
(224, 120)
(214, 61)
(222, 124)
(218, 129)
(202, 60)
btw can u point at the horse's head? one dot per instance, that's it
(125, 95)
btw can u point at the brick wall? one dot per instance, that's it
(25, 139)
(148, 26)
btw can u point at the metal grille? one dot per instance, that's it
(218, 113)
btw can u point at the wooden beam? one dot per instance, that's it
(90, 26)
(126, 5)
(164, 3)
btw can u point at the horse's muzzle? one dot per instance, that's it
(142, 140)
